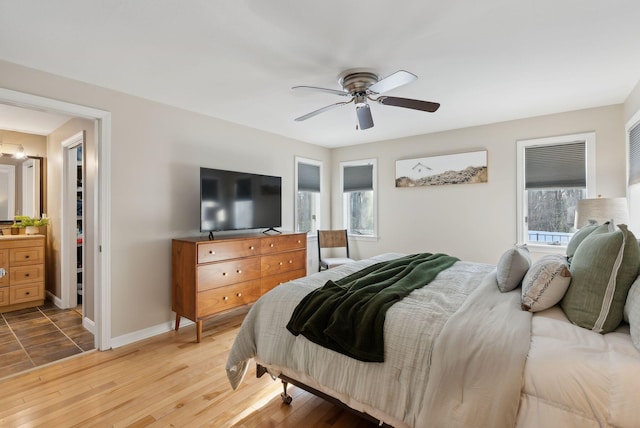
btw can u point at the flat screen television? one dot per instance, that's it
(233, 200)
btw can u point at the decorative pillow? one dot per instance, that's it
(545, 283)
(577, 238)
(632, 312)
(512, 267)
(603, 268)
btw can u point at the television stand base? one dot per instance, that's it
(271, 229)
(211, 238)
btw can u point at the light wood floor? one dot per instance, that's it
(165, 381)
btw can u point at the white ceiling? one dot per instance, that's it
(484, 61)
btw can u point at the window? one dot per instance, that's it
(359, 197)
(553, 174)
(307, 207)
(633, 171)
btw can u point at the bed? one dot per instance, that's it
(479, 361)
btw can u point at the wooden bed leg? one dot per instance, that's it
(286, 398)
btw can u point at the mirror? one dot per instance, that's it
(20, 187)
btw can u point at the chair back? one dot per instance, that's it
(333, 239)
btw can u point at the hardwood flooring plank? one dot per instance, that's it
(168, 380)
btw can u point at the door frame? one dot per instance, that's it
(68, 235)
(102, 201)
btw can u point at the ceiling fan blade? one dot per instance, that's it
(393, 81)
(330, 91)
(321, 110)
(365, 120)
(409, 103)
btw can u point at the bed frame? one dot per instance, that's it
(286, 398)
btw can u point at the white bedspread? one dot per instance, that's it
(575, 377)
(393, 391)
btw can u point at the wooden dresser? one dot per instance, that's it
(212, 276)
(21, 272)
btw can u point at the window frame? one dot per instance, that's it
(318, 213)
(521, 203)
(345, 202)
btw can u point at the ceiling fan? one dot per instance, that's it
(363, 86)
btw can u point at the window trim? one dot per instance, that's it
(374, 181)
(590, 158)
(318, 163)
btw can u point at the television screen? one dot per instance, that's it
(231, 200)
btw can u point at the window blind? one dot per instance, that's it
(308, 177)
(358, 178)
(556, 165)
(634, 154)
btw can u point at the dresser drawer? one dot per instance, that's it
(4, 296)
(26, 256)
(283, 262)
(26, 274)
(26, 293)
(273, 244)
(216, 251)
(222, 298)
(273, 281)
(224, 273)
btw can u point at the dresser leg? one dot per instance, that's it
(198, 331)
(177, 322)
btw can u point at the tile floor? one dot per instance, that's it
(37, 336)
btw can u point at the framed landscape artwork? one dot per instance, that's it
(460, 168)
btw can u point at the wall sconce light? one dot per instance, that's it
(18, 152)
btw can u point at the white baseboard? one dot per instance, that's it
(89, 325)
(146, 333)
(55, 299)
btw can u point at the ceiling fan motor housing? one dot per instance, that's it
(358, 83)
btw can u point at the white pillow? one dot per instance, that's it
(632, 312)
(545, 283)
(512, 267)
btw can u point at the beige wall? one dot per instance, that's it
(475, 221)
(156, 152)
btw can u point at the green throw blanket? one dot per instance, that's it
(348, 315)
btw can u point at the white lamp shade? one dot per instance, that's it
(601, 210)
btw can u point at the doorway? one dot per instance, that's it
(72, 231)
(100, 227)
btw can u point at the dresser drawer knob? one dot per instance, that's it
(225, 298)
(299, 241)
(239, 294)
(27, 293)
(27, 256)
(239, 271)
(252, 248)
(290, 261)
(224, 274)
(26, 275)
(212, 252)
(271, 245)
(281, 263)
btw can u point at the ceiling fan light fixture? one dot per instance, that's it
(365, 120)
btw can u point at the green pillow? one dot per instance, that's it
(604, 266)
(577, 238)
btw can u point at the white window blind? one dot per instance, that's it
(555, 165)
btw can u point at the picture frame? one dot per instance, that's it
(458, 168)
